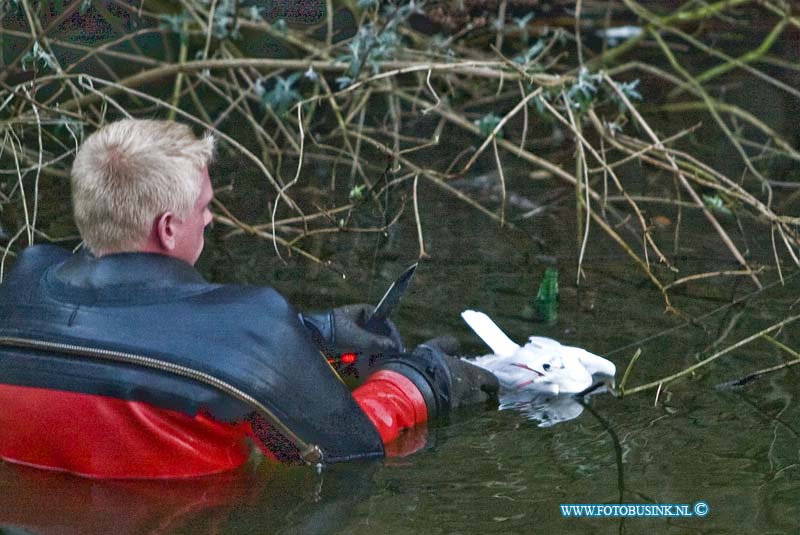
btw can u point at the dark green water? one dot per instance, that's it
(488, 471)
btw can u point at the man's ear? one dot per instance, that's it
(165, 230)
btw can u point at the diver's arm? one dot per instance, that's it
(407, 389)
(390, 400)
(403, 390)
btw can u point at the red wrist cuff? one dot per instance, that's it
(409, 390)
(392, 403)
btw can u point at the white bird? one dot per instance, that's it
(542, 365)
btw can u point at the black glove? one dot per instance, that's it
(445, 382)
(341, 330)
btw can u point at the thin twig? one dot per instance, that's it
(715, 356)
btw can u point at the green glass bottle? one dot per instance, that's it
(546, 302)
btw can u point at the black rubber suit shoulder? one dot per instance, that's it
(159, 307)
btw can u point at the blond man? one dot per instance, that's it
(149, 371)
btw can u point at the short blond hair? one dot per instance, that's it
(129, 172)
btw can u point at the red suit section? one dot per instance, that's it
(97, 436)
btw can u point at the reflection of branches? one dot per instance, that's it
(760, 373)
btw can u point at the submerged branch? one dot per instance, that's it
(691, 369)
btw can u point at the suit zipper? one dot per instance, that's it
(310, 453)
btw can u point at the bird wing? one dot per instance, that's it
(596, 365)
(490, 333)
